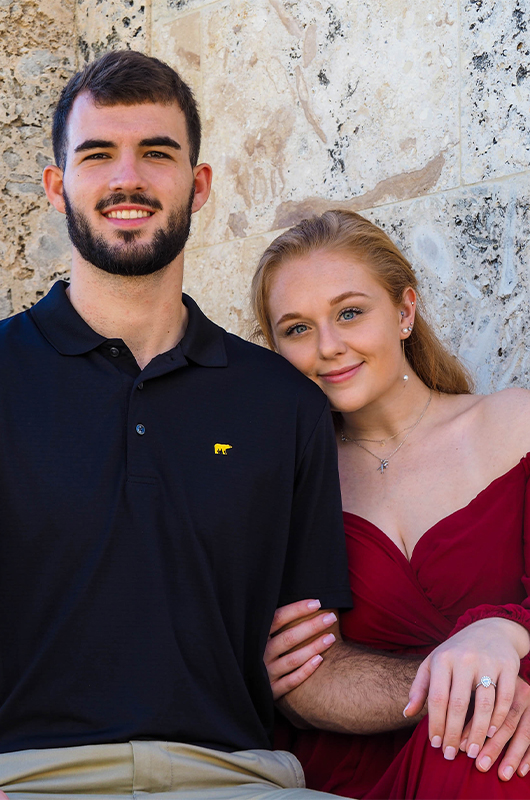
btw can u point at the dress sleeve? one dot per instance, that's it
(516, 612)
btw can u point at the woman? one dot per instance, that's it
(433, 481)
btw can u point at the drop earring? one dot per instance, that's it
(405, 376)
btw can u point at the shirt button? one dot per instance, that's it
(140, 430)
(114, 352)
(140, 385)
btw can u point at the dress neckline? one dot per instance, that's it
(521, 463)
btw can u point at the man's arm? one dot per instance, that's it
(354, 690)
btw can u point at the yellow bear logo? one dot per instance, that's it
(221, 449)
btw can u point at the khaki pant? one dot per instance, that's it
(165, 770)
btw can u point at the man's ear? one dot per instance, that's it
(52, 180)
(202, 175)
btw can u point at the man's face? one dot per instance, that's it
(128, 185)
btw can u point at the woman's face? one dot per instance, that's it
(337, 325)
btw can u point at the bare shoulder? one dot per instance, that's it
(507, 401)
(505, 418)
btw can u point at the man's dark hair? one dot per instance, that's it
(126, 77)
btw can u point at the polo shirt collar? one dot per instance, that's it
(61, 325)
(203, 343)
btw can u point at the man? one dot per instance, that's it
(164, 487)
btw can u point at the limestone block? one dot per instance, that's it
(177, 41)
(37, 59)
(112, 25)
(496, 84)
(354, 99)
(218, 278)
(470, 249)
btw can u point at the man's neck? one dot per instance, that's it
(146, 312)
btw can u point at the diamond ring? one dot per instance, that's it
(486, 681)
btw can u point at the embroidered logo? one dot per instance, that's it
(221, 449)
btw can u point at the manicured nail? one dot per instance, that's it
(405, 710)
(329, 619)
(313, 605)
(485, 763)
(507, 772)
(449, 753)
(463, 745)
(492, 731)
(436, 741)
(328, 639)
(473, 751)
(524, 770)
(315, 661)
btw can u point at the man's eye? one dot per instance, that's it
(156, 154)
(96, 156)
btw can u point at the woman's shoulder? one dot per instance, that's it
(506, 401)
(504, 419)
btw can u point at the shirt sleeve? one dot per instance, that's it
(316, 565)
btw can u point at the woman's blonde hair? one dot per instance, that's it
(348, 232)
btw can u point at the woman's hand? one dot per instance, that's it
(292, 654)
(449, 675)
(516, 727)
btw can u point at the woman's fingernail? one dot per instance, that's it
(405, 710)
(507, 772)
(485, 763)
(449, 753)
(492, 731)
(315, 661)
(473, 751)
(328, 639)
(463, 745)
(329, 619)
(313, 605)
(436, 741)
(524, 770)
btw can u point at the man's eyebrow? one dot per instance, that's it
(160, 141)
(94, 144)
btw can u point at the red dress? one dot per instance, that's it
(478, 555)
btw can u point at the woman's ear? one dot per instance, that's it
(407, 312)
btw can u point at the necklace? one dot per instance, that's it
(383, 462)
(382, 442)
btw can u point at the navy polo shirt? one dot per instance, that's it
(151, 522)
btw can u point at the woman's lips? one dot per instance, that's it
(340, 375)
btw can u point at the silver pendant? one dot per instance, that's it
(383, 466)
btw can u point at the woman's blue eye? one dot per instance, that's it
(300, 328)
(349, 313)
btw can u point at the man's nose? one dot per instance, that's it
(128, 176)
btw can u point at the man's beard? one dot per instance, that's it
(131, 258)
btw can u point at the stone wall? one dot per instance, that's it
(416, 114)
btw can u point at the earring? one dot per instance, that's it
(405, 377)
(406, 330)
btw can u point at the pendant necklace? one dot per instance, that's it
(383, 462)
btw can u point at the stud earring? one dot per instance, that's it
(406, 330)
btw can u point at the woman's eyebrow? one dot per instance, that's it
(345, 296)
